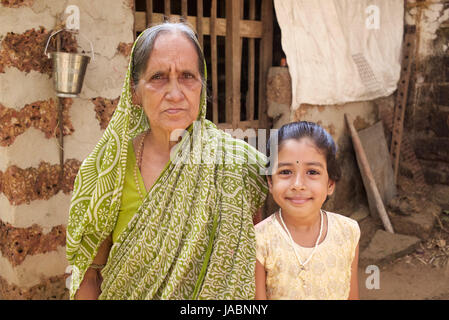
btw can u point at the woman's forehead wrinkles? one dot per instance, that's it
(172, 46)
(172, 66)
(175, 64)
(173, 51)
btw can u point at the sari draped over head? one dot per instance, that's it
(193, 236)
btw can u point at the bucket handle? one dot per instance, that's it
(48, 41)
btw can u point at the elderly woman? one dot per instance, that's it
(158, 212)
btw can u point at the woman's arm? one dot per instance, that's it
(261, 293)
(354, 288)
(90, 286)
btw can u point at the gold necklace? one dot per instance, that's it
(138, 165)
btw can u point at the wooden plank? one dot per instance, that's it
(149, 14)
(253, 124)
(248, 28)
(60, 116)
(61, 131)
(58, 42)
(184, 9)
(199, 22)
(375, 146)
(233, 62)
(266, 57)
(214, 62)
(367, 175)
(167, 8)
(401, 102)
(408, 153)
(251, 67)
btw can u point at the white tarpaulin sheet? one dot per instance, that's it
(341, 51)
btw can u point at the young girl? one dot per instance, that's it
(304, 252)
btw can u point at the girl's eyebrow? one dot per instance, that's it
(284, 164)
(317, 164)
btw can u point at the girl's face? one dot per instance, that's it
(300, 182)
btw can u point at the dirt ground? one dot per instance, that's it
(407, 281)
(421, 275)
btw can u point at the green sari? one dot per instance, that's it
(192, 237)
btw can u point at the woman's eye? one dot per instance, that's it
(156, 76)
(313, 172)
(187, 75)
(285, 172)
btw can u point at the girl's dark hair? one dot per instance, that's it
(322, 139)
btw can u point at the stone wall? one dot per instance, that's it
(35, 190)
(427, 119)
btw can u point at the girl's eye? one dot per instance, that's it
(285, 172)
(313, 172)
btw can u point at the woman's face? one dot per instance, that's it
(170, 88)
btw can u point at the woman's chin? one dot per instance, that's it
(176, 128)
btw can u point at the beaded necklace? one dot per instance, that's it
(292, 243)
(138, 164)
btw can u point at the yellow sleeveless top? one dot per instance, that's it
(131, 200)
(326, 276)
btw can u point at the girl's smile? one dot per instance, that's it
(298, 200)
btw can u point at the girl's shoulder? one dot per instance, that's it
(266, 225)
(341, 218)
(344, 223)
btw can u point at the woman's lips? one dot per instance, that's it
(173, 110)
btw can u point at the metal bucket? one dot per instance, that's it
(68, 71)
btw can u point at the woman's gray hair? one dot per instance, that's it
(144, 47)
